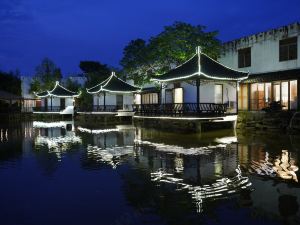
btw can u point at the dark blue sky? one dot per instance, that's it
(68, 31)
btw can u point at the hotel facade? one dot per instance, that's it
(272, 60)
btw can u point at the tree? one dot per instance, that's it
(136, 61)
(72, 85)
(173, 46)
(10, 82)
(35, 85)
(46, 74)
(95, 72)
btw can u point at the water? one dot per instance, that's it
(59, 173)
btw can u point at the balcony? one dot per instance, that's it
(181, 109)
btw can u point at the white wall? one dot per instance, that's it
(111, 99)
(56, 101)
(264, 50)
(207, 92)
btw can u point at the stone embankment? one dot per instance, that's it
(270, 121)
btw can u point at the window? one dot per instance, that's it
(293, 94)
(285, 94)
(276, 92)
(268, 94)
(257, 100)
(244, 57)
(218, 93)
(288, 49)
(150, 98)
(178, 95)
(243, 97)
(119, 101)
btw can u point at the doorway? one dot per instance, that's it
(119, 100)
(62, 104)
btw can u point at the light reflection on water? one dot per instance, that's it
(208, 169)
(221, 188)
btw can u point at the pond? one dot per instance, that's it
(61, 173)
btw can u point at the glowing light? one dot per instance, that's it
(283, 167)
(223, 187)
(58, 145)
(40, 124)
(111, 156)
(199, 73)
(181, 150)
(58, 96)
(105, 82)
(97, 131)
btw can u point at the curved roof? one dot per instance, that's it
(113, 84)
(202, 66)
(57, 91)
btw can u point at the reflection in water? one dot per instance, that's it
(283, 167)
(222, 188)
(179, 149)
(111, 156)
(97, 131)
(58, 137)
(108, 146)
(3, 135)
(166, 175)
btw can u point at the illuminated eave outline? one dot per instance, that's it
(199, 73)
(106, 81)
(59, 96)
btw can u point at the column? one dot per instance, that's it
(237, 97)
(198, 94)
(298, 94)
(104, 103)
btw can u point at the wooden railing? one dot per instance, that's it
(180, 109)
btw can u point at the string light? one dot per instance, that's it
(104, 83)
(199, 73)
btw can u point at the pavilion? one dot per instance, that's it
(200, 86)
(112, 95)
(57, 101)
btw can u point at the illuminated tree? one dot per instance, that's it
(173, 46)
(46, 74)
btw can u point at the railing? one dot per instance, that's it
(47, 109)
(98, 108)
(180, 109)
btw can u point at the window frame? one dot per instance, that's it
(285, 47)
(244, 57)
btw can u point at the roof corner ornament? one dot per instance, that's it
(198, 51)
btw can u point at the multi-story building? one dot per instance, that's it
(273, 60)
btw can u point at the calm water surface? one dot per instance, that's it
(59, 173)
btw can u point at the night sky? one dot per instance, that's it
(68, 31)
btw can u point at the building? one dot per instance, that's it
(29, 99)
(113, 94)
(57, 101)
(149, 94)
(272, 58)
(200, 86)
